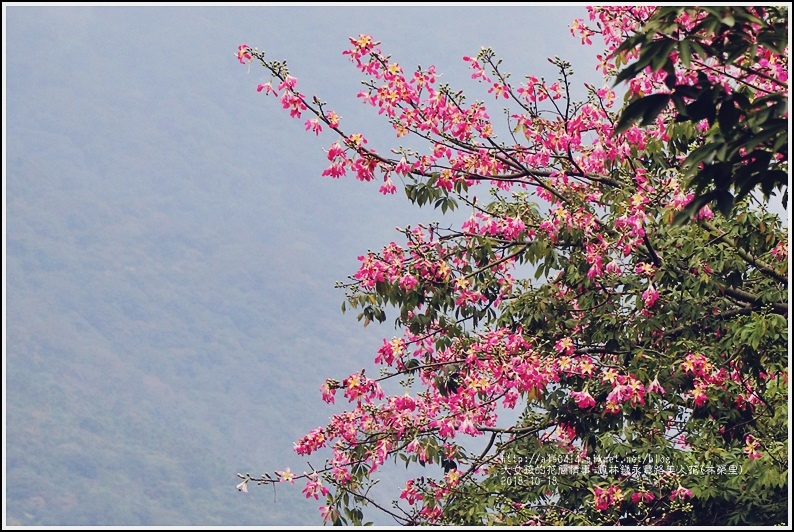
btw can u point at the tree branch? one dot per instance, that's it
(761, 266)
(778, 307)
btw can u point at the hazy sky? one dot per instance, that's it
(147, 179)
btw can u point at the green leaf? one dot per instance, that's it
(685, 53)
(661, 57)
(670, 80)
(724, 202)
(412, 365)
(644, 109)
(612, 346)
(703, 107)
(728, 116)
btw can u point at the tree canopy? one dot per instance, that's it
(642, 335)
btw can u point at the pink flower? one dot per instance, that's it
(781, 251)
(314, 487)
(335, 151)
(329, 390)
(637, 391)
(650, 296)
(564, 345)
(286, 476)
(408, 282)
(293, 102)
(314, 125)
(614, 268)
(410, 493)
(333, 119)
(595, 271)
(267, 87)
(583, 399)
(358, 388)
(751, 449)
(655, 387)
(311, 442)
(452, 477)
(288, 83)
(642, 496)
(705, 213)
(644, 268)
(619, 394)
(700, 395)
(499, 90)
(342, 474)
(356, 139)
(415, 447)
(405, 403)
(387, 187)
(243, 53)
(604, 498)
(379, 454)
(328, 513)
(681, 493)
(467, 427)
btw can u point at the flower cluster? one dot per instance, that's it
(627, 316)
(606, 498)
